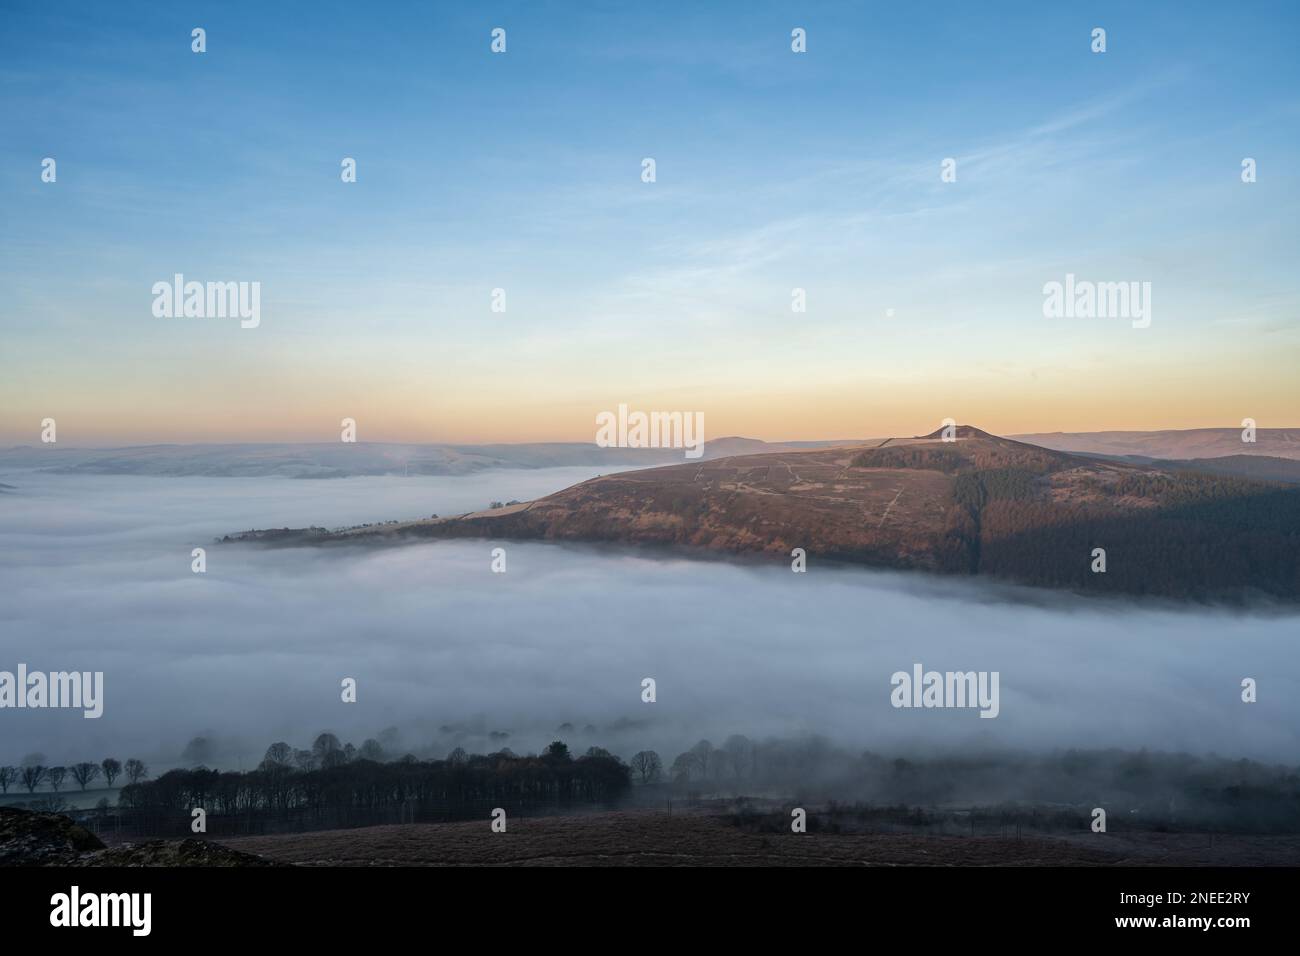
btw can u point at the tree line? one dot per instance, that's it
(332, 785)
(33, 773)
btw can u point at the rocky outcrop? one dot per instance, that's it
(29, 838)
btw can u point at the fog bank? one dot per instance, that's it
(95, 576)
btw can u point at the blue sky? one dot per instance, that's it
(522, 171)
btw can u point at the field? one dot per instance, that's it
(657, 838)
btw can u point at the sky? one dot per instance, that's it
(522, 171)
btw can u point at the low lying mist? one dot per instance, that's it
(95, 575)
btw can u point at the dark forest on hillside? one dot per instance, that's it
(1183, 535)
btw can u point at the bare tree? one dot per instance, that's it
(8, 776)
(55, 777)
(719, 761)
(84, 773)
(112, 769)
(335, 758)
(685, 765)
(741, 751)
(648, 765)
(704, 755)
(136, 770)
(51, 804)
(326, 749)
(32, 776)
(279, 754)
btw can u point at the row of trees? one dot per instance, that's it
(324, 787)
(33, 773)
(337, 792)
(736, 759)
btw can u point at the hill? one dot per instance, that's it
(980, 504)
